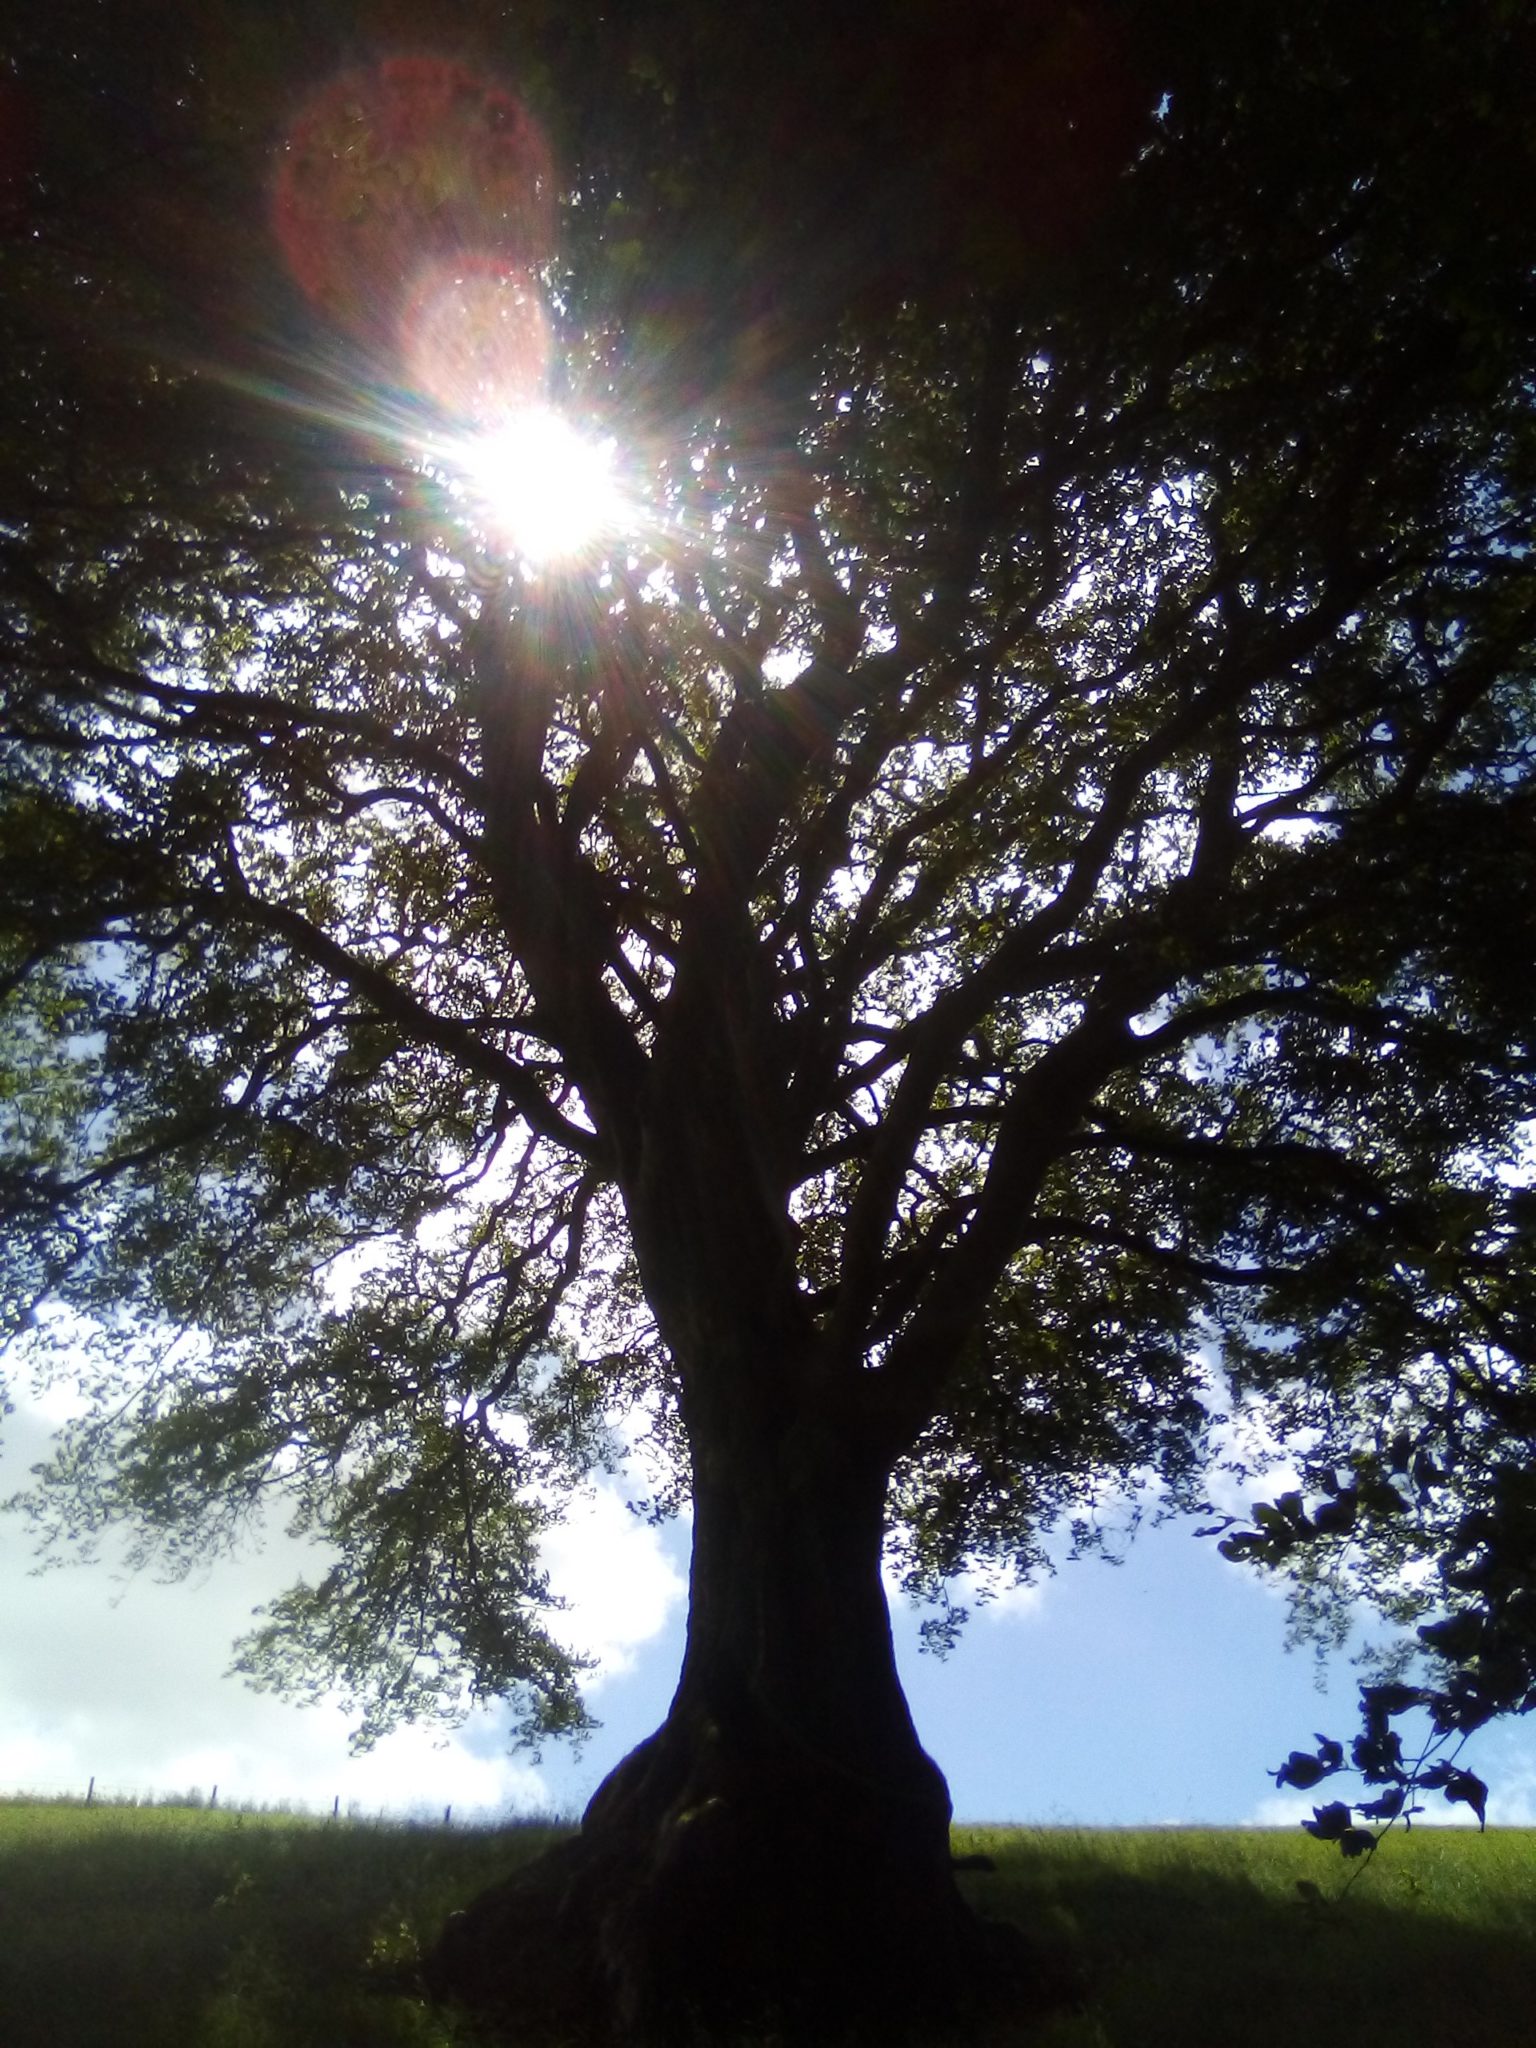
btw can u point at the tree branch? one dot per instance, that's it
(459, 1040)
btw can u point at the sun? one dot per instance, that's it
(541, 487)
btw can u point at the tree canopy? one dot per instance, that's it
(1005, 882)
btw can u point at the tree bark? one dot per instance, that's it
(777, 1853)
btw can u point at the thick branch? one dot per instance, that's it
(458, 1039)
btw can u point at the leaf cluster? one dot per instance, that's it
(1015, 873)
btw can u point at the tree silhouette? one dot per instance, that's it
(1005, 877)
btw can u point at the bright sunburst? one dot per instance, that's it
(541, 487)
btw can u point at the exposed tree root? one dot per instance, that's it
(745, 1911)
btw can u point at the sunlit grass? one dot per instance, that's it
(1202, 1934)
(148, 1926)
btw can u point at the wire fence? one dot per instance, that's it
(94, 1791)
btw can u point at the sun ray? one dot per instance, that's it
(540, 486)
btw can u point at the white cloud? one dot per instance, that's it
(1014, 1603)
(1247, 1437)
(1513, 1805)
(121, 1678)
(621, 1585)
(127, 1685)
(1229, 1495)
(1003, 1602)
(1286, 1809)
(1512, 1802)
(1290, 1808)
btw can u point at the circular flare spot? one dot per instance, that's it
(476, 341)
(414, 165)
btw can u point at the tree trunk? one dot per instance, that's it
(777, 1853)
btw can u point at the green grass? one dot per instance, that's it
(1201, 1935)
(167, 1927)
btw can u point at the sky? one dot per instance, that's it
(1157, 1691)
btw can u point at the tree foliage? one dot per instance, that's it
(1015, 871)
(1434, 1526)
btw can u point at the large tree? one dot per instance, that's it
(1012, 873)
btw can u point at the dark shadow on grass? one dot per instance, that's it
(1192, 1955)
(215, 1934)
(214, 1931)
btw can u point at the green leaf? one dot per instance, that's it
(1468, 1790)
(1329, 1823)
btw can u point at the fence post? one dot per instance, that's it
(213, 1798)
(447, 1816)
(336, 1807)
(90, 1790)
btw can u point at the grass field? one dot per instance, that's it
(170, 1927)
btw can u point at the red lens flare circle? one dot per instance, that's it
(418, 166)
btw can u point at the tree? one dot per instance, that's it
(1424, 1506)
(1008, 877)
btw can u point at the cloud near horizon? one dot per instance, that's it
(124, 1679)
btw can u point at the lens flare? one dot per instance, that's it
(415, 205)
(539, 486)
(476, 341)
(397, 171)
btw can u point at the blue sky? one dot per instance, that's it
(1156, 1691)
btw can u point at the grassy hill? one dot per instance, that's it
(143, 1927)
